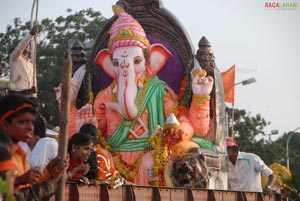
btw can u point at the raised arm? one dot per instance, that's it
(23, 44)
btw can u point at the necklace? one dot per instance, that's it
(128, 171)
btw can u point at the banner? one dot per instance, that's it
(228, 78)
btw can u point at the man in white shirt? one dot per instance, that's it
(245, 169)
(21, 67)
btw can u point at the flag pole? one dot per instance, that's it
(232, 127)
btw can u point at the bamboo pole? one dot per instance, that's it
(35, 47)
(34, 44)
(64, 121)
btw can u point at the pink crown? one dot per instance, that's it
(126, 31)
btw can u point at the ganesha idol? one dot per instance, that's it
(128, 111)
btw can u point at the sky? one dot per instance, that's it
(263, 43)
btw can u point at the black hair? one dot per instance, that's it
(79, 139)
(39, 126)
(5, 139)
(11, 102)
(5, 155)
(35, 101)
(90, 129)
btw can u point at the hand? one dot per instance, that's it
(82, 169)
(30, 177)
(75, 85)
(34, 29)
(85, 115)
(54, 167)
(268, 190)
(201, 85)
(84, 181)
(34, 89)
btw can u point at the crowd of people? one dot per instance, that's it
(29, 159)
(17, 119)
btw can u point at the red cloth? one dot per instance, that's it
(228, 78)
(73, 164)
(230, 142)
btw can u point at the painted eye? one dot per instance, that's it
(115, 63)
(137, 61)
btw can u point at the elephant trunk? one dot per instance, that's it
(127, 91)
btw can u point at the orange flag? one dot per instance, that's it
(228, 78)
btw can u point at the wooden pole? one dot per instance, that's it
(35, 46)
(34, 43)
(64, 121)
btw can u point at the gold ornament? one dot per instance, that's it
(117, 10)
(199, 100)
(127, 34)
(200, 73)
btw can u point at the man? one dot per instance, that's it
(21, 67)
(244, 170)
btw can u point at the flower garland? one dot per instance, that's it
(182, 87)
(128, 171)
(160, 157)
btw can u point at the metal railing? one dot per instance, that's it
(73, 192)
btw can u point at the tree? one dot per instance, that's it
(53, 40)
(247, 130)
(294, 157)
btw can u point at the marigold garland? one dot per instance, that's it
(160, 157)
(181, 110)
(128, 171)
(182, 87)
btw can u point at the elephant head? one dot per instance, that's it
(128, 66)
(129, 59)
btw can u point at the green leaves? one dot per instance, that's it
(53, 38)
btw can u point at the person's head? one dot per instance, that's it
(17, 116)
(39, 130)
(39, 126)
(80, 146)
(232, 147)
(91, 130)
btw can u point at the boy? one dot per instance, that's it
(17, 116)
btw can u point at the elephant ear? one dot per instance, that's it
(157, 58)
(104, 60)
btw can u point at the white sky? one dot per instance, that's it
(263, 43)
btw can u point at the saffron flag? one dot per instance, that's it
(228, 78)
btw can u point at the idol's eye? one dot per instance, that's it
(115, 62)
(137, 60)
